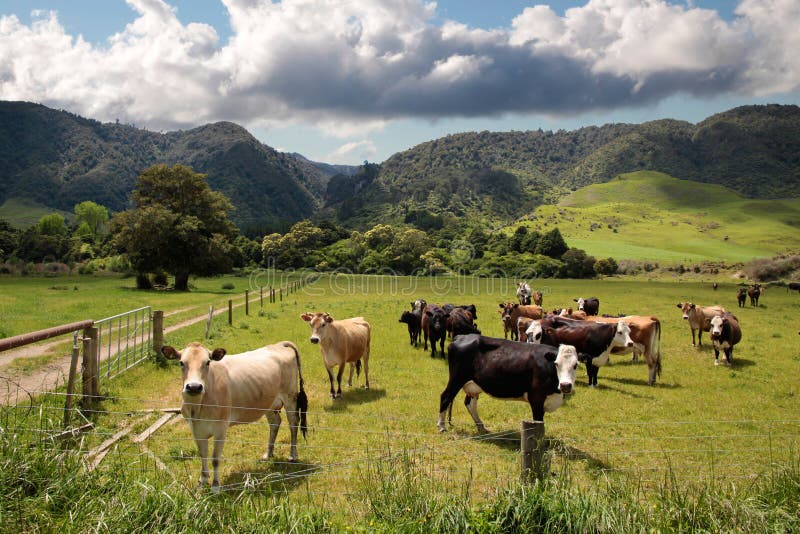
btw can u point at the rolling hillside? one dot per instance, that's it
(652, 216)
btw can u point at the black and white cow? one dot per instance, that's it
(589, 305)
(594, 339)
(539, 374)
(725, 333)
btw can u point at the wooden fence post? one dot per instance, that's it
(73, 370)
(158, 331)
(247, 302)
(280, 293)
(90, 378)
(230, 312)
(261, 295)
(208, 321)
(533, 447)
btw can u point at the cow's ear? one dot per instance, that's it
(680, 305)
(551, 356)
(502, 305)
(516, 305)
(218, 354)
(306, 317)
(428, 313)
(170, 353)
(576, 300)
(691, 306)
(583, 357)
(328, 318)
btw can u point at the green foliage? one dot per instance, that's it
(178, 225)
(606, 266)
(577, 264)
(52, 225)
(551, 244)
(93, 215)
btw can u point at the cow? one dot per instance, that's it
(537, 297)
(539, 374)
(741, 296)
(434, 327)
(754, 292)
(418, 306)
(522, 328)
(533, 333)
(524, 293)
(725, 333)
(341, 342)
(699, 318)
(714, 286)
(414, 323)
(459, 322)
(589, 305)
(514, 311)
(508, 325)
(593, 339)
(793, 286)
(646, 336)
(219, 391)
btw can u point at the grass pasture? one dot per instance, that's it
(374, 458)
(651, 216)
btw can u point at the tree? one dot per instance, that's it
(606, 266)
(178, 225)
(552, 244)
(94, 215)
(577, 264)
(52, 225)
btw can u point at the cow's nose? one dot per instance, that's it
(685, 316)
(193, 388)
(314, 340)
(565, 387)
(630, 343)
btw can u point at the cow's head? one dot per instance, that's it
(437, 318)
(566, 362)
(418, 305)
(318, 322)
(407, 317)
(506, 308)
(195, 362)
(622, 336)
(717, 324)
(534, 332)
(685, 308)
(581, 301)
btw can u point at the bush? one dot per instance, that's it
(606, 266)
(228, 285)
(765, 270)
(160, 279)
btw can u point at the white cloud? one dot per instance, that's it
(337, 65)
(353, 151)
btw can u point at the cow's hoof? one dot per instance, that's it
(338, 395)
(442, 429)
(292, 459)
(265, 457)
(215, 488)
(716, 362)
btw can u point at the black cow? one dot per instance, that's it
(590, 305)
(793, 286)
(434, 327)
(754, 292)
(468, 307)
(593, 339)
(725, 333)
(741, 296)
(414, 322)
(540, 374)
(459, 322)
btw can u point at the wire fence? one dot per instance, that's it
(343, 447)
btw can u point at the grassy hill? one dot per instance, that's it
(652, 216)
(22, 213)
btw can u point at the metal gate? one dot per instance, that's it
(124, 340)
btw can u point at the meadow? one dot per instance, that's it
(677, 455)
(652, 216)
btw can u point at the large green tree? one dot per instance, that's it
(178, 224)
(94, 215)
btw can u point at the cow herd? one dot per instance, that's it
(537, 365)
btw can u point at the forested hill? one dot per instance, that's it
(754, 150)
(60, 159)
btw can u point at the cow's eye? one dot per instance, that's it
(181, 362)
(208, 362)
(575, 366)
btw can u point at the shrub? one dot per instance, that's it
(228, 285)
(775, 268)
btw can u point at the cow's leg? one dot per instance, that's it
(293, 415)
(350, 378)
(699, 337)
(339, 379)
(716, 356)
(219, 445)
(274, 420)
(445, 402)
(433, 347)
(472, 407)
(441, 348)
(693, 338)
(591, 371)
(729, 355)
(537, 409)
(365, 363)
(202, 448)
(330, 377)
(425, 338)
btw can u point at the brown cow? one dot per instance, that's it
(699, 318)
(741, 296)
(537, 297)
(754, 292)
(515, 311)
(219, 391)
(522, 328)
(646, 336)
(341, 342)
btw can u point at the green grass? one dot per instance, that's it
(23, 212)
(704, 449)
(660, 218)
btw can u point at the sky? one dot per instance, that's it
(344, 81)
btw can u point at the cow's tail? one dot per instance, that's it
(302, 398)
(358, 367)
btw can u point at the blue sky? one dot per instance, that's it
(347, 80)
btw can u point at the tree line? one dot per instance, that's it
(178, 226)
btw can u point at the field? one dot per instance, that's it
(651, 216)
(701, 428)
